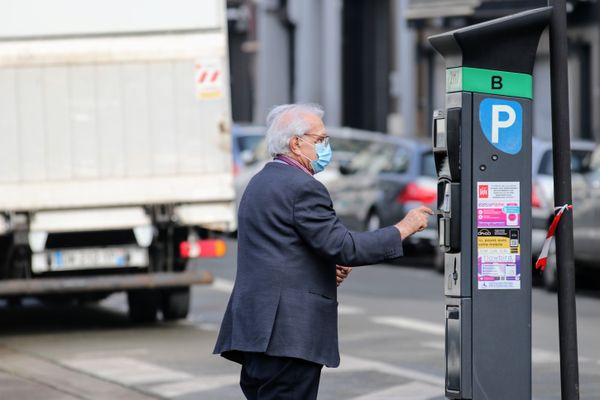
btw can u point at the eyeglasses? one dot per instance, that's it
(321, 139)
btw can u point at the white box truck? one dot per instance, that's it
(115, 161)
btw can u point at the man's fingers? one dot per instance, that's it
(425, 210)
(341, 273)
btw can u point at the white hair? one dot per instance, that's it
(286, 121)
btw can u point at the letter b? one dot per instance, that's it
(497, 82)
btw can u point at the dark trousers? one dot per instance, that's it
(267, 377)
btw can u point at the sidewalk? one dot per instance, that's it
(14, 387)
(23, 376)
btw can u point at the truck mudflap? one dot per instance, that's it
(113, 283)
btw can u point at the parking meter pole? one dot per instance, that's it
(482, 149)
(561, 151)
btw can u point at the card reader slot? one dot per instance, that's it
(448, 213)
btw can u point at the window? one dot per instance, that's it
(578, 158)
(249, 142)
(428, 165)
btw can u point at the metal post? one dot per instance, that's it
(561, 149)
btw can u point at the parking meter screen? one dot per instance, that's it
(440, 133)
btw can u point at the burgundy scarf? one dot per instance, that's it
(290, 161)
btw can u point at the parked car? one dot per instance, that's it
(543, 185)
(586, 205)
(543, 200)
(244, 140)
(378, 186)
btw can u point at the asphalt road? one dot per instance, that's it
(391, 341)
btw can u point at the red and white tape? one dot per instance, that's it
(541, 262)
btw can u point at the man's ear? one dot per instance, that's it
(293, 144)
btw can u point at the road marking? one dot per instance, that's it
(206, 326)
(222, 285)
(434, 345)
(412, 324)
(369, 336)
(409, 391)
(111, 353)
(195, 385)
(541, 356)
(200, 322)
(538, 356)
(126, 371)
(349, 310)
(352, 363)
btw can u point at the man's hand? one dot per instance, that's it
(414, 221)
(341, 273)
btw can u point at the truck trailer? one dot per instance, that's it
(115, 150)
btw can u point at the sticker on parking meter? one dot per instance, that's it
(498, 204)
(498, 235)
(502, 124)
(498, 258)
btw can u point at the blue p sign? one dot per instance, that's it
(502, 124)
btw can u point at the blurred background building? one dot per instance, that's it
(368, 62)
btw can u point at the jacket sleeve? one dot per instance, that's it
(317, 224)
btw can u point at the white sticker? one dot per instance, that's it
(208, 75)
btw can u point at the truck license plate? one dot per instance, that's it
(61, 260)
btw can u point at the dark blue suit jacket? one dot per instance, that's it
(284, 301)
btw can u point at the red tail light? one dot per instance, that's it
(235, 169)
(535, 198)
(202, 248)
(415, 193)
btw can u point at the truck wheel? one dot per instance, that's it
(143, 305)
(373, 221)
(175, 303)
(61, 300)
(14, 302)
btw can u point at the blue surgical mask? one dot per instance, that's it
(324, 154)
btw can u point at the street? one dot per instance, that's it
(391, 344)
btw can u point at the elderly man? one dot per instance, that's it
(281, 320)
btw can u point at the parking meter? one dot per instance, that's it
(482, 151)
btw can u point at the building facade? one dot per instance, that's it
(368, 62)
